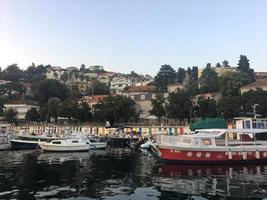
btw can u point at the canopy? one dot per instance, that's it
(209, 123)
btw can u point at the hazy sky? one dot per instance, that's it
(139, 35)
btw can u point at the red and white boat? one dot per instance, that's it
(214, 146)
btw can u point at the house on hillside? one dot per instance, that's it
(92, 100)
(219, 70)
(142, 96)
(260, 83)
(54, 72)
(119, 82)
(213, 95)
(105, 77)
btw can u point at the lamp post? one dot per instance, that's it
(254, 110)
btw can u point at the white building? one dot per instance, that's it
(119, 82)
(21, 109)
(54, 73)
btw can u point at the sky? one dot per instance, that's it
(139, 35)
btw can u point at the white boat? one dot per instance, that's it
(71, 145)
(4, 142)
(96, 143)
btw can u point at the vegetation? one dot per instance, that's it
(165, 76)
(158, 106)
(60, 98)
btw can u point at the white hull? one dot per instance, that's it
(98, 145)
(63, 148)
(71, 145)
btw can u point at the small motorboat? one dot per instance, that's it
(71, 145)
(65, 145)
(96, 142)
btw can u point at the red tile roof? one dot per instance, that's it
(147, 88)
(258, 83)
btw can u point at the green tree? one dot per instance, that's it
(115, 109)
(181, 75)
(158, 106)
(229, 107)
(206, 107)
(225, 63)
(12, 73)
(67, 109)
(165, 76)
(84, 113)
(179, 105)
(11, 115)
(252, 97)
(97, 88)
(50, 88)
(243, 66)
(231, 82)
(32, 115)
(209, 81)
(82, 68)
(218, 65)
(50, 109)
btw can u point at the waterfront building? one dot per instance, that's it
(21, 108)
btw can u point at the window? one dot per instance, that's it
(143, 97)
(206, 141)
(75, 141)
(186, 140)
(56, 142)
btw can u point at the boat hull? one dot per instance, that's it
(197, 156)
(61, 148)
(99, 145)
(23, 145)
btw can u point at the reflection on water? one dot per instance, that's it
(122, 174)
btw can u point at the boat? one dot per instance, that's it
(214, 146)
(27, 141)
(4, 142)
(65, 145)
(71, 145)
(96, 143)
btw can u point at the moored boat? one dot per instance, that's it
(65, 145)
(26, 141)
(214, 146)
(71, 145)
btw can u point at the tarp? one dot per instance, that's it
(208, 123)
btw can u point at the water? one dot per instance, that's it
(118, 174)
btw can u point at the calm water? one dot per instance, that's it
(117, 174)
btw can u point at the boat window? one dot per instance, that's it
(186, 140)
(206, 141)
(56, 142)
(75, 141)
